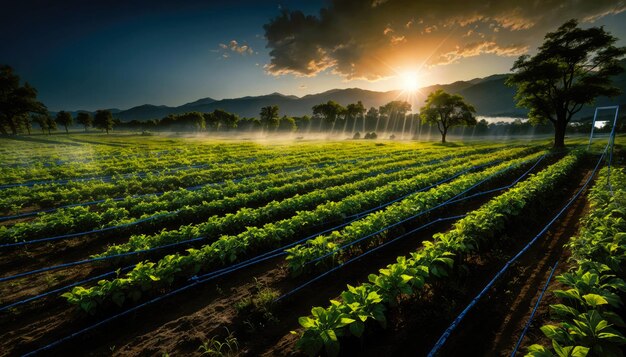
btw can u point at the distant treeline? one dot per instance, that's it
(372, 121)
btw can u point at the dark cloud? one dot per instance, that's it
(373, 39)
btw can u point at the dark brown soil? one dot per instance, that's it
(180, 324)
(494, 325)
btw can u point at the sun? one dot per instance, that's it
(410, 81)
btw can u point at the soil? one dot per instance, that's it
(180, 324)
(494, 325)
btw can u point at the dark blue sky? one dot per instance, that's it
(94, 54)
(100, 54)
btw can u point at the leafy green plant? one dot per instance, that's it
(433, 261)
(587, 316)
(216, 347)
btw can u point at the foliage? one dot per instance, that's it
(588, 313)
(351, 198)
(214, 347)
(16, 101)
(103, 120)
(446, 111)
(300, 256)
(85, 119)
(65, 119)
(572, 67)
(269, 117)
(434, 260)
(329, 111)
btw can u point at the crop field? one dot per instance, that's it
(152, 245)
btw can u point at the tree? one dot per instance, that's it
(303, 122)
(395, 110)
(212, 120)
(50, 123)
(269, 117)
(355, 112)
(26, 123)
(103, 120)
(572, 67)
(329, 111)
(16, 101)
(64, 118)
(447, 110)
(371, 118)
(85, 119)
(228, 120)
(190, 121)
(41, 120)
(287, 124)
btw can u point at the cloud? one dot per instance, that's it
(373, 39)
(234, 46)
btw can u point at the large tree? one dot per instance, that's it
(85, 119)
(65, 119)
(103, 120)
(269, 117)
(447, 110)
(16, 101)
(572, 67)
(329, 111)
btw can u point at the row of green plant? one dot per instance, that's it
(55, 195)
(295, 196)
(119, 161)
(588, 318)
(129, 160)
(363, 306)
(149, 277)
(301, 255)
(97, 160)
(195, 205)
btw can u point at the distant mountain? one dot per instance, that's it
(198, 102)
(489, 95)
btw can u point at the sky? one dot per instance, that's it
(119, 54)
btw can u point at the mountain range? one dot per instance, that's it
(490, 96)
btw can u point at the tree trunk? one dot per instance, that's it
(443, 137)
(107, 131)
(559, 133)
(66, 131)
(13, 127)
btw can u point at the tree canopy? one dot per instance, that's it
(103, 120)
(355, 110)
(269, 117)
(329, 111)
(447, 110)
(85, 119)
(16, 101)
(572, 67)
(65, 119)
